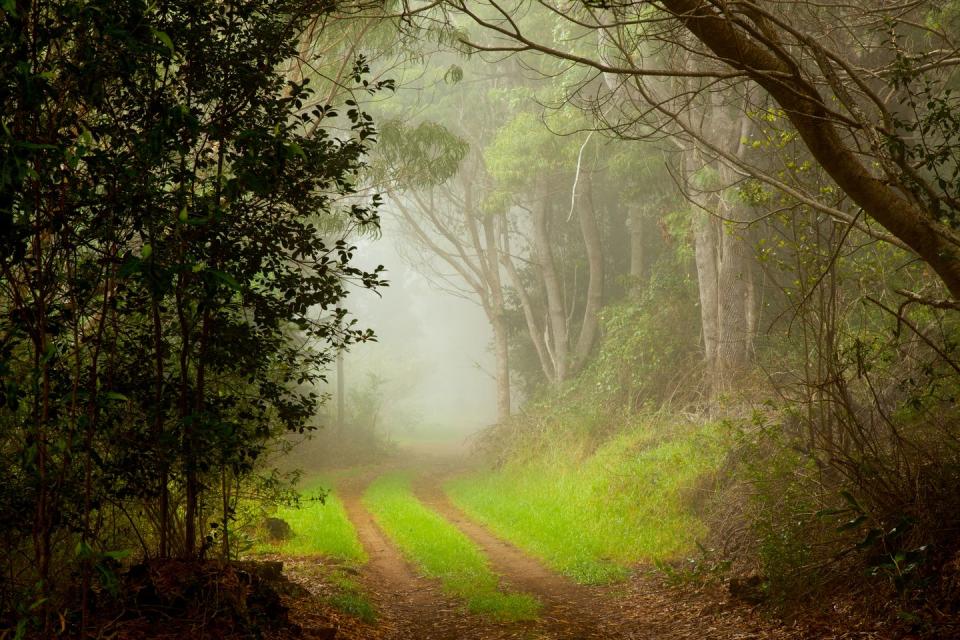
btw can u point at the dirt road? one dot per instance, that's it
(411, 607)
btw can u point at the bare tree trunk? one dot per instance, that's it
(341, 392)
(733, 277)
(557, 319)
(490, 264)
(591, 240)
(635, 227)
(502, 362)
(164, 475)
(705, 242)
(184, 406)
(754, 301)
(533, 328)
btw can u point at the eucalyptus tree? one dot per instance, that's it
(533, 168)
(437, 182)
(831, 126)
(512, 218)
(844, 109)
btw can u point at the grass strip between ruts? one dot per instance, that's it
(440, 550)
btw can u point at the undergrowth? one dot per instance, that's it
(440, 550)
(349, 596)
(321, 528)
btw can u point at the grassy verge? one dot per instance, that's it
(593, 516)
(441, 551)
(320, 528)
(333, 586)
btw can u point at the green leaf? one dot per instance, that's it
(164, 40)
(130, 267)
(83, 550)
(227, 279)
(146, 251)
(852, 524)
(823, 513)
(872, 536)
(49, 354)
(38, 603)
(846, 495)
(296, 150)
(453, 74)
(116, 396)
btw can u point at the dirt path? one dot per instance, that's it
(569, 609)
(408, 605)
(411, 607)
(414, 607)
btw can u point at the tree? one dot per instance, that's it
(860, 143)
(163, 194)
(533, 167)
(437, 187)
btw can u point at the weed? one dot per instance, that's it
(349, 597)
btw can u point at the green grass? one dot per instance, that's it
(349, 596)
(344, 593)
(323, 529)
(441, 551)
(592, 517)
(320, 528)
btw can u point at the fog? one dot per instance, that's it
(432, 350)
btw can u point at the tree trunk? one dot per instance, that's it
(341, 392)
(526, 304)
(733, 344)
(705, 242)
(502, 360)
(489, 256)
(635, 227)
(590, 231)
(557, 319)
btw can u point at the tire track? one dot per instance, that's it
(570, 610)
(408, 605)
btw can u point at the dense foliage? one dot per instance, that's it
(743, 214)
(172, 274)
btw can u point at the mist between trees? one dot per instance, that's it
(732, 210)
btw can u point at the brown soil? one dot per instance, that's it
(569, 609)
(642, 608)
(408, 605)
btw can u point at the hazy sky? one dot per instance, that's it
(433, 349)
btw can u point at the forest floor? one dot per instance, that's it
(646, 606)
